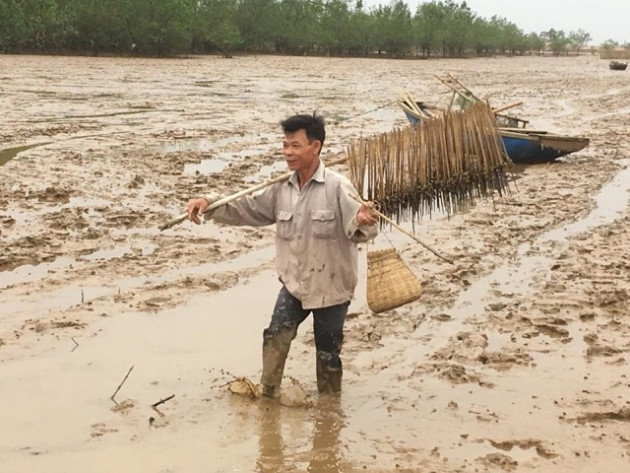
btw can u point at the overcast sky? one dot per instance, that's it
(603, 19)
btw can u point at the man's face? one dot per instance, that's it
(299, 154)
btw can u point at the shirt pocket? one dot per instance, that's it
(284, 225)
(324, 223)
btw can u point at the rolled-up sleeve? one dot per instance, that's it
(253, 210)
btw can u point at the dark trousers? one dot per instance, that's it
(328, 322)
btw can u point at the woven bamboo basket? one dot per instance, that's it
(390, 282)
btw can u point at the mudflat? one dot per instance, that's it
(513, 359)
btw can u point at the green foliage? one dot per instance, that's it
(393, 28)
(298, 26)
(578, 39)
(610, 44)
(339, 27)
(557, 41)
(429, 23)
(257, 21)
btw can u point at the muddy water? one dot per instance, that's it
(513, 359)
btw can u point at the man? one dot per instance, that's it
(318, 225)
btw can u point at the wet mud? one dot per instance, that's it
(513, 359)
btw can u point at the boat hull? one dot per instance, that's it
(534, 148)
(527, 147)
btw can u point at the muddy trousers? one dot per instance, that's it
(328, 322)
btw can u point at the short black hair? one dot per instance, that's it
(313, 125)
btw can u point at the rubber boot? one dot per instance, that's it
(275, 350)
(328, 379)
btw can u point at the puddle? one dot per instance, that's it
(8, 154)
(206, 166)
(612, 200)
(497, 341)
(484, 448)
(86, 202)
(266, 171)
(107, 254)
(517, 277)
(66, 297)
(29, 272)
(513, 278)
(221, 160)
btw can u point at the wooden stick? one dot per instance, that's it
(162, 401)
(236, 195)
(450, 104)
(120, 385)
(398, 227)
(505, 107)
(466, 95)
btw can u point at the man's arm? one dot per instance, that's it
(254, 210)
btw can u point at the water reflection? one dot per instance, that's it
(327, 421)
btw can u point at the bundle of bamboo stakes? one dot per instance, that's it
(443, 163)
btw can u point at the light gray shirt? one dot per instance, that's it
(316, 234)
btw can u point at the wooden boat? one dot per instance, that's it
(532, 147)
(524, 146)
(618, 66)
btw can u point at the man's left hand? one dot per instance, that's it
(367, 215)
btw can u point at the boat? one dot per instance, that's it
(525, 146)
(618, 66)
(534, 147)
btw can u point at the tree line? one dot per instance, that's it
(320, 27)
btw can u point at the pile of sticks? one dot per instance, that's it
(444, 163)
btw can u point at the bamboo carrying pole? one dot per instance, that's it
(236, 195)
(282, 178)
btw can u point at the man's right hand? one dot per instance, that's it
(196, 207)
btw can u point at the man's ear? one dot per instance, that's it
(317, 145)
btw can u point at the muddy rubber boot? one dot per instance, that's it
(328, 379)
(275, 350)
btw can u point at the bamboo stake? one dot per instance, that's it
(120, 385)
(506, 107)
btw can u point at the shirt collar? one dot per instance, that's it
(318, 176)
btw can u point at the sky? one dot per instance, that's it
(602, 19)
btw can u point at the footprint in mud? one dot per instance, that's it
(7, 221)
(621, 415)
(499, 460)
(66, 219)
(100, 429)
(124, 219)
(124, 407)
(156, 303)
(540, 447)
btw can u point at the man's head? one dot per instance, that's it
(303, 139)
(313, 126)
